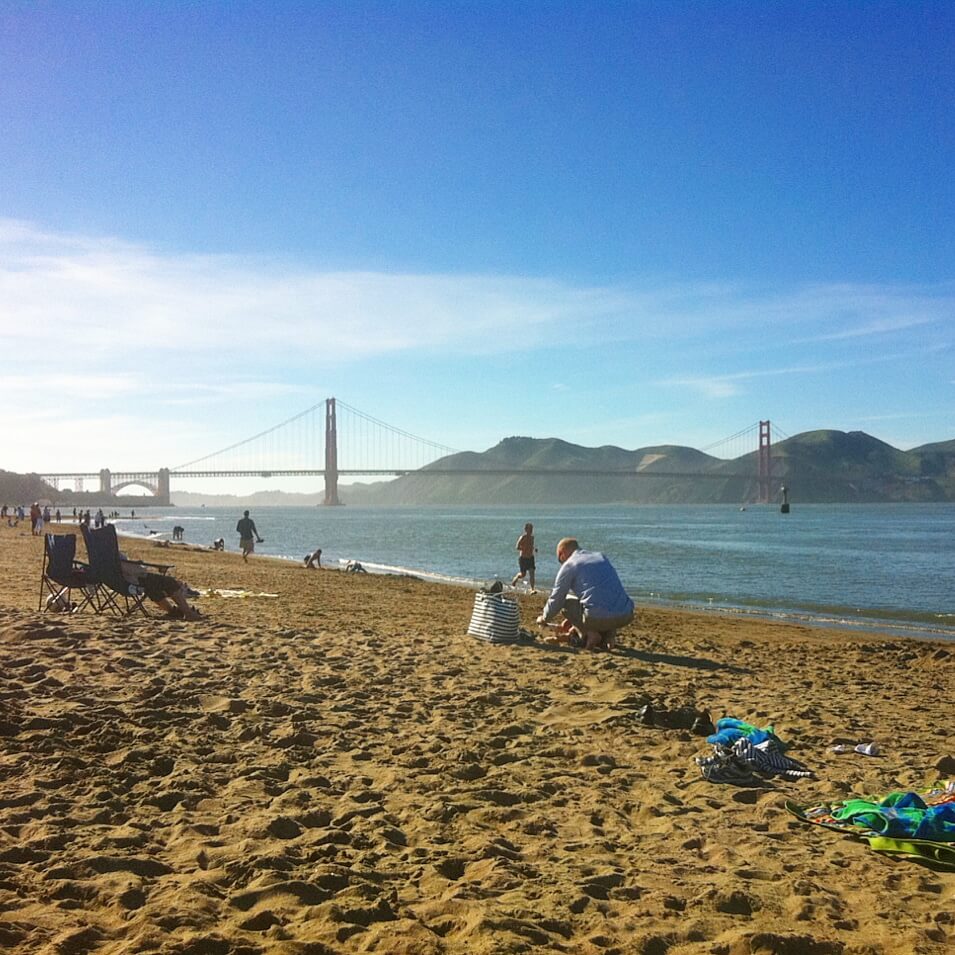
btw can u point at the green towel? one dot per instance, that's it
(936, 853)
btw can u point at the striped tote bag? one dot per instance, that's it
(495, 618)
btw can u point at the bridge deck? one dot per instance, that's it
(118, 476)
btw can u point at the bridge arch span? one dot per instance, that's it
(152, 488)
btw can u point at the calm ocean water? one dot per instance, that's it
(885, 565)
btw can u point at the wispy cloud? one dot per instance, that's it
(726, 386)
(884, 326)
(119, 325)
(109, 296)
(76, 386)
(729, 385)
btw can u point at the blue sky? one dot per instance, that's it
(616, 223)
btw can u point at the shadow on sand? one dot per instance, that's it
(644, 656)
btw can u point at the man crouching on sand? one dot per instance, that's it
(589, 592)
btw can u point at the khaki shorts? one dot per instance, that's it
(575, 613)
(247, 544)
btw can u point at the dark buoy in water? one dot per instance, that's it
(784, 508)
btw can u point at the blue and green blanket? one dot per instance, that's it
(917, 824)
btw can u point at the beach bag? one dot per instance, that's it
(495, 618)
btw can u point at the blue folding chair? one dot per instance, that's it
(62, 573)
(113, 593)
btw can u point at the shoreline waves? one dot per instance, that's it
(341, 769)
(702, 558)
(940, 626)
(876, 567)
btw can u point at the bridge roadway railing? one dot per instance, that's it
(373, 472)
(127, 476)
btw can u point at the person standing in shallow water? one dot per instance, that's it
(248, 535)
(525, 557)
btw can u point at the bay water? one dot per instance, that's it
(887, 567)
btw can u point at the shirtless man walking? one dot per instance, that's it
(525, 559)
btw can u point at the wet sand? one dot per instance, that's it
(342, 769)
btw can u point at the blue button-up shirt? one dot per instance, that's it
(590, 577)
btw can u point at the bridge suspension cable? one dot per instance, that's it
(443, 448)
(742, 442)
(364, 443)
(254, 437)
(734, 446)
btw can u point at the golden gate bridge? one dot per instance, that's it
(352, 443)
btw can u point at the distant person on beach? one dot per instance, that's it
(353, 567)
(218, 544)
(248, 535)
(588, 591)
(166, 592)
(36, 519)
(314, 559)
(525, 557)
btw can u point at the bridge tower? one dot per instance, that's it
(162, 488)
(764, 463)
(105, 483)
(331, 455)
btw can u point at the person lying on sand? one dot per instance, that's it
(163, 590)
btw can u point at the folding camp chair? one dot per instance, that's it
(62, 574)
(106, 571)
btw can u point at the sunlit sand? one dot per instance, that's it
(342, 769)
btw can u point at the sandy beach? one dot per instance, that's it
(341, 768)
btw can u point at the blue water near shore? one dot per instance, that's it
(882, 566)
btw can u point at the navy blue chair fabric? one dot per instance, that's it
(62, 573)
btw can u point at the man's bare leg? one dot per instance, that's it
(178, 606)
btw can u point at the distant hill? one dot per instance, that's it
(817, 466)
(258, 499)
(940, 447)
(25, 489)
(854, 466)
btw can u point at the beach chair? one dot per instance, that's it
(112, 592)
(61, 574)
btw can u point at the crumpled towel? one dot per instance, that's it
(742, 751)
(901, 815)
